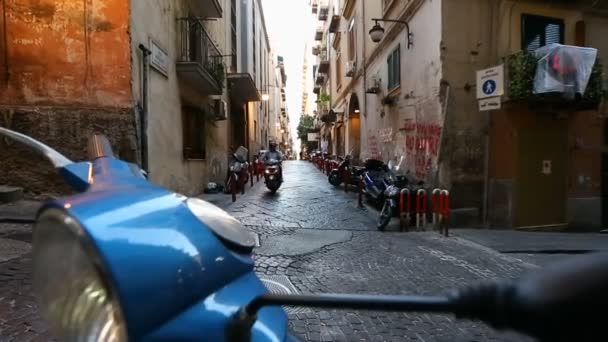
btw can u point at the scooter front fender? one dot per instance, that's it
(207, 319)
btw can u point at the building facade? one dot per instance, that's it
(412, 94)
(175, 85)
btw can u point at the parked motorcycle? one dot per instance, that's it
(397, 179)
(272, 175)
(203, 286)
(238, 170)
(337, 176)
(375, 180)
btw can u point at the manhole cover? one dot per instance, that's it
(282, 285)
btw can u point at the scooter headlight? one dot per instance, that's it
(74, 296)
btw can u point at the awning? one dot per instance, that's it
(338, 110)
(242, 87)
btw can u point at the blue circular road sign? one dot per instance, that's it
(489, 87)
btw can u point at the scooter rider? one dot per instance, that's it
(274, 154)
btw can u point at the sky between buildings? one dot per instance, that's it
(290, 27)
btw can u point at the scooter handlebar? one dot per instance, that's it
(553, 304)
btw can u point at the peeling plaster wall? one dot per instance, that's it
(65, 73)
(66, 52)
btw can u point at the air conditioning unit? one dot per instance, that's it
(219, 109)
(351, 67)
(374, 85)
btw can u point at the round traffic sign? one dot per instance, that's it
(489, 87)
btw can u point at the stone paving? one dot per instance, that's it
(315, 236)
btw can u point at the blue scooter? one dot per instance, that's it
(129, 260)
(376, 179)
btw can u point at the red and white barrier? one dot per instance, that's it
(435, 199)
(444, 206)
(405, 208)
(421, 209)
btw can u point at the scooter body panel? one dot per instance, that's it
(159, 258)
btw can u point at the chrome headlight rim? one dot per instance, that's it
(93, 256)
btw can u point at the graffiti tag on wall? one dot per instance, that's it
(422, 142)
(372, 145)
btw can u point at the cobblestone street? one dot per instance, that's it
(314, 239)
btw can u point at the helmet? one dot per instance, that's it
(272, 144)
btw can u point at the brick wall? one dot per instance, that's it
(65, 129)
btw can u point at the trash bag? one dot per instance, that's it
(563, 69)
(212, 188)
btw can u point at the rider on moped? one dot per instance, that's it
(274, 154)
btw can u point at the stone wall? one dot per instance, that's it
(66, 129)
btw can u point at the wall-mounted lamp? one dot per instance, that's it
(265, 97)
(377, 32)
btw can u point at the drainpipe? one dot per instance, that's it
(486, 171)
(364, 81)
(143, 113)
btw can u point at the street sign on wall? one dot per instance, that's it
(490, 82)
(313, 136)
(159, 58)
(492, 103)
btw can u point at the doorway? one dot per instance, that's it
(541, 183)
(354, 126)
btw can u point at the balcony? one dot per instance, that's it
(320, 79)
(323, 13)
(207, 8)
(323, 63)
(315, 6)
(319, 34)
(334, 24)
(199, 62)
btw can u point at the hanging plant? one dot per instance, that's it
(218, 72)
(324, 98)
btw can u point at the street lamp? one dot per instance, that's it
(266, 96)
(377, 32)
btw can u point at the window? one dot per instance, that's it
(394, 68)
(194, 133)
(352, 39)
(538, 31)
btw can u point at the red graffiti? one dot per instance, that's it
(422, 146)
(372, 143)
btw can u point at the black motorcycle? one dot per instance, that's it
(338, 176)
(272, 175)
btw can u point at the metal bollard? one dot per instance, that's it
(251, 170)
(233, 185)
(421, 208)
(435, 198)
(346, 177)
(360, 204)
(444, 200)
(404, 209)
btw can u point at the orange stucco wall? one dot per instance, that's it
(65, 52)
